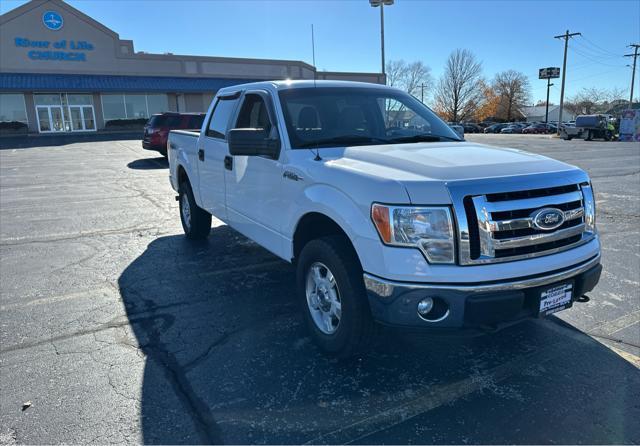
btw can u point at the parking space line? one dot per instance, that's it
(60, 298)
(434, 398)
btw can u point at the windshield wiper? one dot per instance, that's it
(421, 138)
(345, 139)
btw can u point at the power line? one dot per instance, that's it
(594, 52)
(598, 46)
(590, 58)
(582, 66)
(593, 75)
(597, 56)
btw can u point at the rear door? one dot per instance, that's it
(253, 183)
(212, 150)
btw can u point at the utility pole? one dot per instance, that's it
(422, 92)
(546, 111)
(633, 72)
(566, 36)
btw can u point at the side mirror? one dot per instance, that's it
(253, 142)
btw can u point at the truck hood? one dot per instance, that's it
(425, 169)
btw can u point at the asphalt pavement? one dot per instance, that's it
(116, 329)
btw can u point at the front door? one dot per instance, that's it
(50, 118)
(253, 183)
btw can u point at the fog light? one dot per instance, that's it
(433, 309)
(425, 306)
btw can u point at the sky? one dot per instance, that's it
(502, 34)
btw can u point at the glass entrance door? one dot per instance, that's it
(62, 112)
(82, 118)
(50, 118)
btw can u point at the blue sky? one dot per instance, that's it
(502, 34)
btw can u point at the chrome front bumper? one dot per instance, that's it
(395, 303)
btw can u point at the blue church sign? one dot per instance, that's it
(52, 20)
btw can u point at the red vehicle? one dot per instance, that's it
(539, 128)
(156, 130)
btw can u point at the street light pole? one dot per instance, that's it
(382, 37)
(381, 4)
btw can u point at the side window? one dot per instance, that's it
(400, 118)
(220, 118)
(253, 114)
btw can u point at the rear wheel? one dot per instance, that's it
(196, 222)
(333, 298)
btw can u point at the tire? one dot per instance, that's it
(196, 222)
(354, 329)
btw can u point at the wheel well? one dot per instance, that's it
(182, 175)
(312, 226)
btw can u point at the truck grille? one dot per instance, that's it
(521, 224)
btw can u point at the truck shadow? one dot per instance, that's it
(159, 162)
(228, 361)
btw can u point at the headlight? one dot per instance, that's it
(429, 229)
(589, 208)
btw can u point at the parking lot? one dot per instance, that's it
(116, 329)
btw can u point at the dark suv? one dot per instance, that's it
(156, 130)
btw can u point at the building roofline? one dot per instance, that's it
(23, 9)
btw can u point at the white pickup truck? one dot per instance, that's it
(389, 217)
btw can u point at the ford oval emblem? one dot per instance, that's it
(52, 20)
(547, 219)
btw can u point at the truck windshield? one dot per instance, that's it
(330, 117)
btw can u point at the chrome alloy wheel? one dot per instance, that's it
(186, 210)
(323, 298)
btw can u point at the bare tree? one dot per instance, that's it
(594, 100)
(410, 77)
(617, 94)
(396, 71)
(458, 93)
(512, 87)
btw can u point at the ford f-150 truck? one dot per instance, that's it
(388, 215)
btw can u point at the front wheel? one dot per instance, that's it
(196, 222)
(333, 298)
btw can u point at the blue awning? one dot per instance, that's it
(105, 83)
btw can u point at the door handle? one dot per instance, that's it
(228, 162)
(201, 154)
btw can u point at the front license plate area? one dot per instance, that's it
(555, 298)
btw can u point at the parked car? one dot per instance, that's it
(157, 128)
(495, 128)
(540, 128)
(513, 128)
(433, 234)
(459, 129)
(470, 127)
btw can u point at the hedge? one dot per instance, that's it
(126, 123)
(13, 125)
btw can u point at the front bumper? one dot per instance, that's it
(483, 306)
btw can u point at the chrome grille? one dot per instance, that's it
(501, 226)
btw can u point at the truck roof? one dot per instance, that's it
(289, 84)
